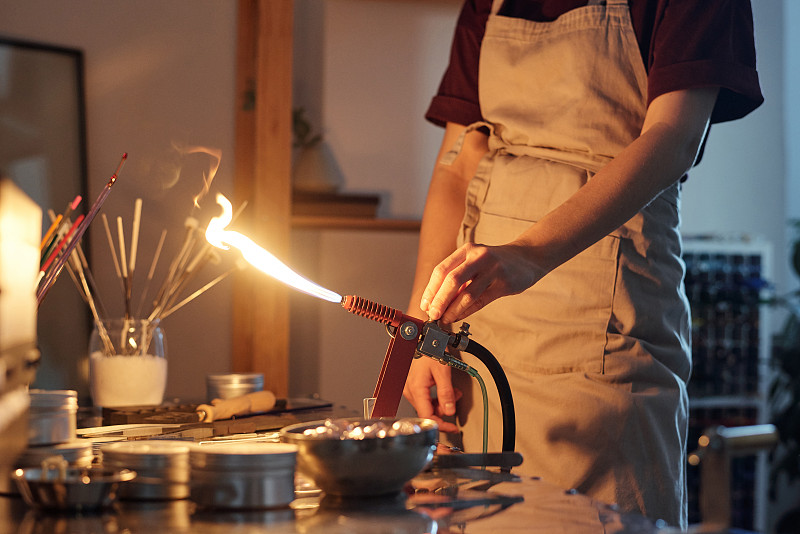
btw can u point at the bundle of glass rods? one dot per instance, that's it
(60, 247)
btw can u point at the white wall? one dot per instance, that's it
(157, 73)
(741, 186)
(335, 354)
(365, 72)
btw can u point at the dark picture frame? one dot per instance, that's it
(43, 150)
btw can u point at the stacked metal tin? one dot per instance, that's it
(51, 434)
(256, 475)
(53, 416)
(162, 468)
(227, 386)
(76, 453)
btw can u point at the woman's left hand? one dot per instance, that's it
(475, 275)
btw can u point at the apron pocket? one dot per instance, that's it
(527, 188)
(559, 325)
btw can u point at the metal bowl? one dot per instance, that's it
(70, 490)
(371, 466)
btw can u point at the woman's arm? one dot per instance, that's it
(444, 206)
(441, 220)
(475, 275)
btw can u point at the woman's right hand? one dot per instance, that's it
(425, 374)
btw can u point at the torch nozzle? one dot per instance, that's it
(372, 310)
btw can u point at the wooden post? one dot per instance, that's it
(263, 170)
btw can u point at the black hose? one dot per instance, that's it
(503, 389)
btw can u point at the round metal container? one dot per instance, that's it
(53, 416)
(162, 468)
(75, 453)
(251, 476)
(227, 386)
(76, 490)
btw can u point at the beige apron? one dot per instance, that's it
(597, 352)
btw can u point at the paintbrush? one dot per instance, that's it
(81, 229)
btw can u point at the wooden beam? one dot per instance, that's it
(263, 170)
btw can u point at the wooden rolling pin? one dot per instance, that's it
(256, 402)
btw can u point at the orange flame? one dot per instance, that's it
(217, 235)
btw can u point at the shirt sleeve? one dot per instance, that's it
(702, 44)
(684, 43)
(457, 97)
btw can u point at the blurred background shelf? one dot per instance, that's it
(724, 282)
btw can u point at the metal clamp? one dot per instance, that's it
(716, 448)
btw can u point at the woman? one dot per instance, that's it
(552, 224)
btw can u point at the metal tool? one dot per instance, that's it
(405, 332)
(494, 459)
(256, 402)
(412, 337)
(717, 446)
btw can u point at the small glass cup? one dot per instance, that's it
(127, 363)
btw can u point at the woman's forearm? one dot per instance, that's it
(664, 152)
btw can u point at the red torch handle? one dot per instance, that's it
(396, 363)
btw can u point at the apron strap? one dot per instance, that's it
(451, 155)
(496, 4)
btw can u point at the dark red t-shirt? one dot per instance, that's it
(684, 44)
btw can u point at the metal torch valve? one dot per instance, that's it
(435, 340)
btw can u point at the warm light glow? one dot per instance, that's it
(257, 256)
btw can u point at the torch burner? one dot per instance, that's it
(412, 337)
(397, 362)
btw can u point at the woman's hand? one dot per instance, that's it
(423, 375)
(475, 275)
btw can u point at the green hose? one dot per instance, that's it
(446, 359)
(472, 372)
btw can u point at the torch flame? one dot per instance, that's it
(217, 235)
